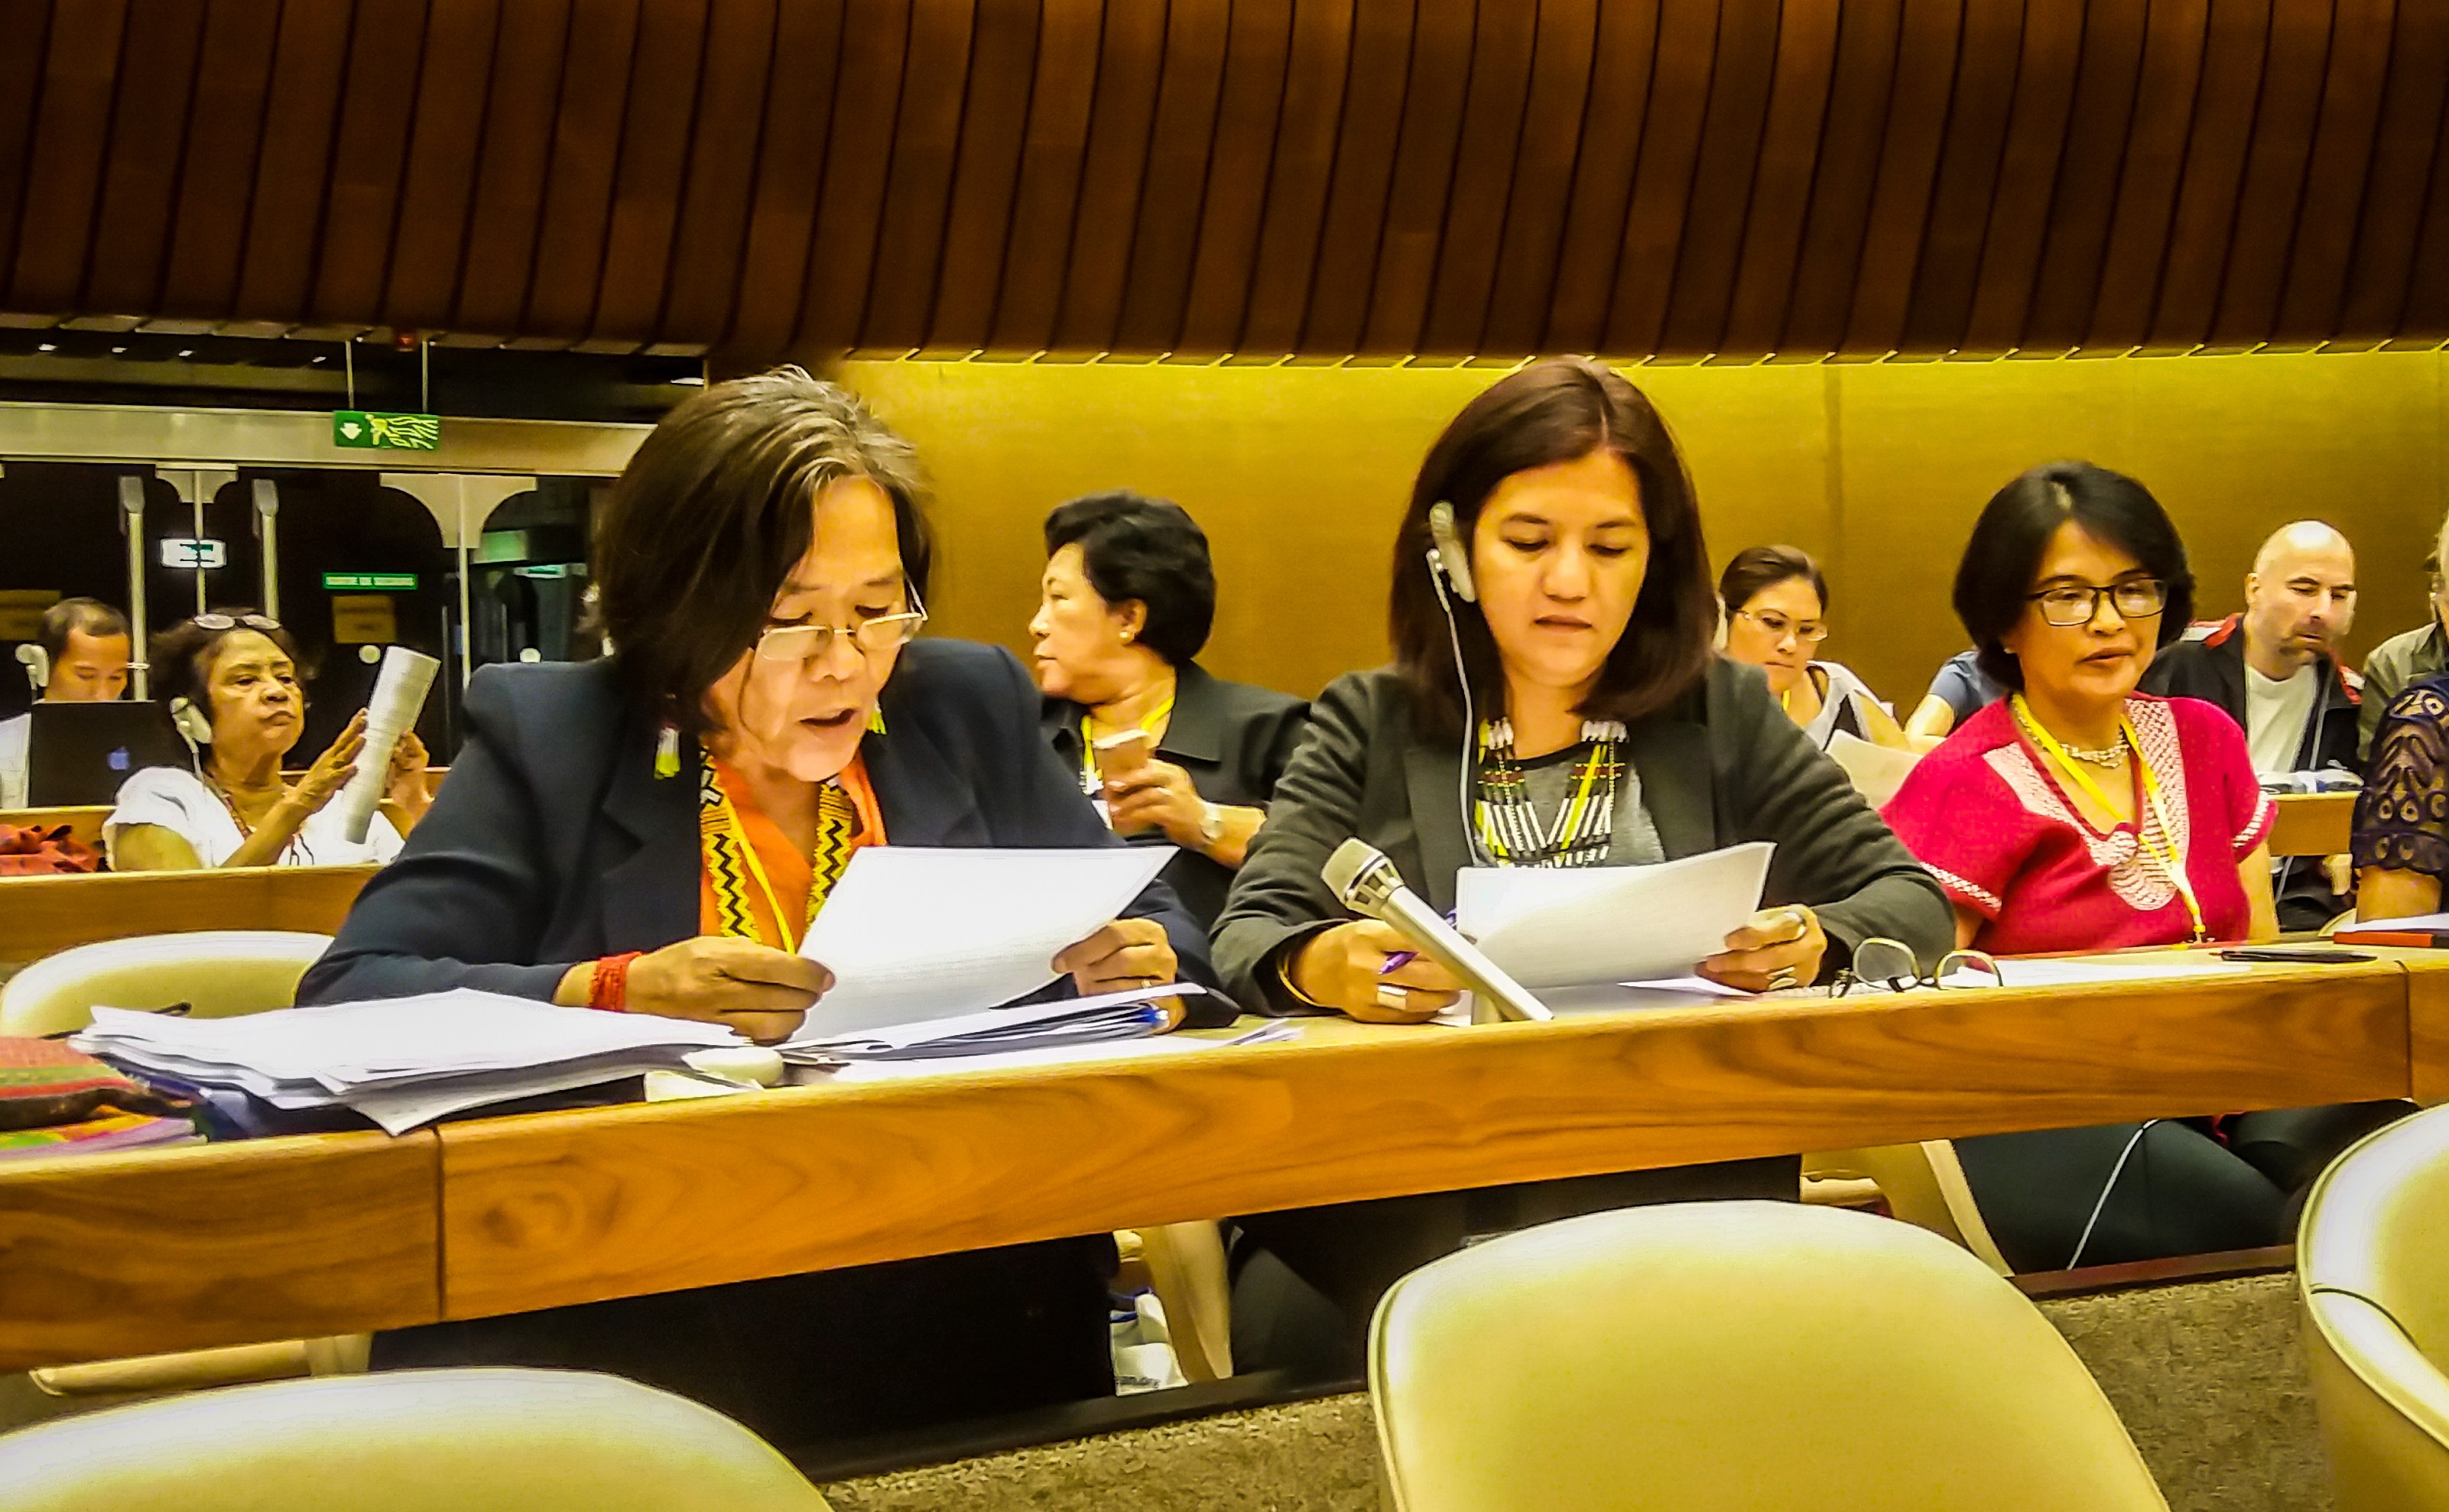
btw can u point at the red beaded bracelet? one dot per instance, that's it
(608, 987)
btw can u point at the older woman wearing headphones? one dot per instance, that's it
(238, 701)
(1572, 583)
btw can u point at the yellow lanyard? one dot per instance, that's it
(1089, 781)
(2170, 861)
(728, 853)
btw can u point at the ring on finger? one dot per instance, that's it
(1395, 997)
(1780, 978)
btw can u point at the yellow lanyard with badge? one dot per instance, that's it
(732, 867)
(2170, 861)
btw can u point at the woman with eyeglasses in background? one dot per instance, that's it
(1775, 603)
(2075, 815)
(239, 698)
(653, 832)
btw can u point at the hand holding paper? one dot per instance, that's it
(1575, 926)
(911, 933)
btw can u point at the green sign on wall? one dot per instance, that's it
(398, 433)
(373, 581)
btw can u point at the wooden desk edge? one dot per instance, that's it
(101, 1215)
(540, 1185)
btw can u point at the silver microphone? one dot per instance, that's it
(1366, 881)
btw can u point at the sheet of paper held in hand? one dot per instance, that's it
(912, 934)
(1876, 771)
(1575, 926)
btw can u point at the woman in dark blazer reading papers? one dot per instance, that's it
(653, 832)
(1574, 587)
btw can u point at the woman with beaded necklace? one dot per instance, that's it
(2077, 814)
(1574, 586)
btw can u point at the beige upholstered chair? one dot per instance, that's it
(218, 973)
(411, 1441)
(1922, 1183)
(1704, 1356)
(2374, 1275)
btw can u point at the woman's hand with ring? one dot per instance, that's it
(1779, 948)
(1344, 968)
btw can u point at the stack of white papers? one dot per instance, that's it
(912, 934)
(401, 1061)
(1062, 1024)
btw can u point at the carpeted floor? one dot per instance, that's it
(2205, 1375)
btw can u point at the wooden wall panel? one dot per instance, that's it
(1248, 113)
(920, 188)
(1238, 180)
(140, 181)
(800, 99)
(368, 153)
(438, 182)
(1539, 195)
(1299, 179)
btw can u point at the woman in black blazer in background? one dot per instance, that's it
(1125, 604)
(762, 567)
(1573, 584)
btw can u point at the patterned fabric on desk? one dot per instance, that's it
(55, 1099)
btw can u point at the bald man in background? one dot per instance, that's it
(2275, 669)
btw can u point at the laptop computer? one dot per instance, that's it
(79, 753)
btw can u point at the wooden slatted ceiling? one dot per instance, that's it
(1244, 178)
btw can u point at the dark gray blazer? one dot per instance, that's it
(553, 842)
(1723, 766)
(1233, 739)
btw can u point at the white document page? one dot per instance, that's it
(1876, 771)
(912, 934)
(1578, 926)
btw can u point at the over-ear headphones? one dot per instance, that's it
(37, 663)
(190, 721)
(1446, 553)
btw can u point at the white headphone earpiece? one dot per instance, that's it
(190, 721)
(1446, 553)
(37, 663)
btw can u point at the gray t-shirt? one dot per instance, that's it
(1548, 782)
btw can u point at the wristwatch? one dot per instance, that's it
(1211, 823)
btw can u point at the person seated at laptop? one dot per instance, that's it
(653, 832)
(233, 685)
(79, 655)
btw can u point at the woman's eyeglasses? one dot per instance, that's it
(1811, 632)
(231, 622)
(1889, 965)
(805, 642)
(2071, 604)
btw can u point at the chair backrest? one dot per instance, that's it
(218, 973)
(1708, 1356)
(2375, 1282)
(405, 1441)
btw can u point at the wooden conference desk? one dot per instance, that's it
(111, 1254)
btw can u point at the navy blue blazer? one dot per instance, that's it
(553, 842)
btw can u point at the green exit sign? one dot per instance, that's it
(397, 432)
(376, 582)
